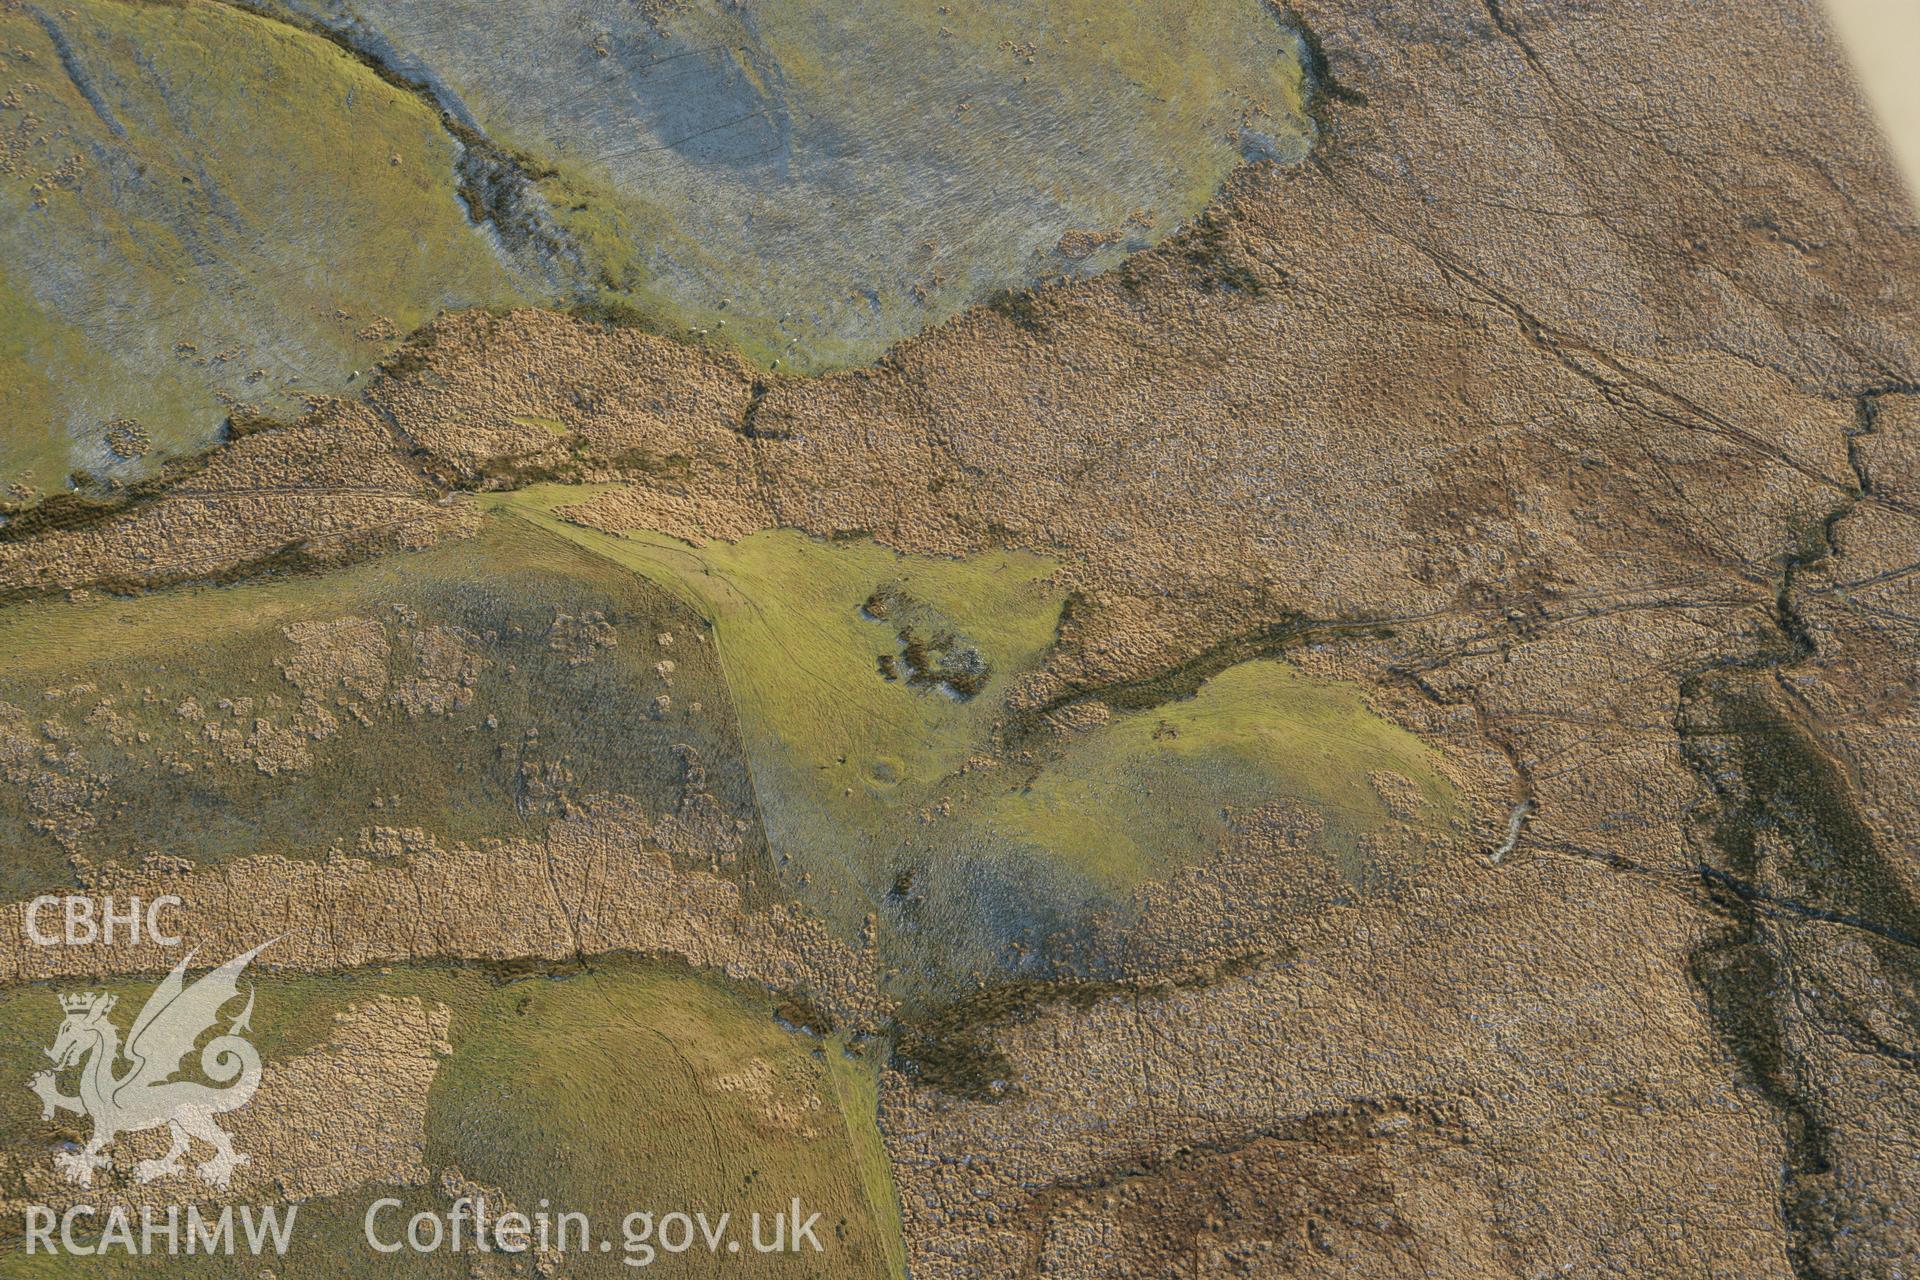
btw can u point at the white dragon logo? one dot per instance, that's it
(146, 1095)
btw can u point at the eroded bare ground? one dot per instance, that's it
(1580, 357)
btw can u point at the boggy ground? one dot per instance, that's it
(179, 245)
(1566, 401)
(430, 1083)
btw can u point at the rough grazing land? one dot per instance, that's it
(1535, 464)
